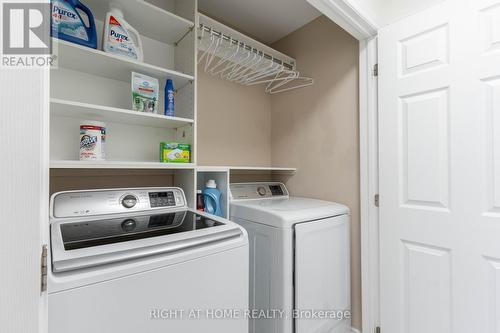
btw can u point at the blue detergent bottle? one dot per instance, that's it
(169, 98)
(212, 198)
(67, 23)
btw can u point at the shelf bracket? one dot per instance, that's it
(184, 36)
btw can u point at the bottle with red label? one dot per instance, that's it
(119, 37)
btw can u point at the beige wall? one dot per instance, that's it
(316, 129)
(234, 123)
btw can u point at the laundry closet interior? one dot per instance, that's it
(238, 130)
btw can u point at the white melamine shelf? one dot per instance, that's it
(69, 164)
(85, 59)
(72, 109)
(245, 168)
(212, 169)
(150, 20)
(262, 168)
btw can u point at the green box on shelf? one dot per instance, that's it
(173, 152)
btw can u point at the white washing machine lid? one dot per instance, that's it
(282, 213)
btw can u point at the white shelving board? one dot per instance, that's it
(73, 109)
(68, 164)
(263, 169)
(97, 62)
(154, 22)
(245, 168)
(212, 168)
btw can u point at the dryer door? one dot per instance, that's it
(322, 276)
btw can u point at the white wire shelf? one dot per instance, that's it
(230, 55)
(208, 23)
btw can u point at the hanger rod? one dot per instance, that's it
(245, 46)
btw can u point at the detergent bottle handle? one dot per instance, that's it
(91, 28)
(137, 38)
(210, 203)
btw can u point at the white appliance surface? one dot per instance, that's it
(286, 212)
(250, 202)
(299, 258)
(322, 279)
(155, 268)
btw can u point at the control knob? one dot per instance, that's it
(129, 225)
(129, 201)
(261, 191)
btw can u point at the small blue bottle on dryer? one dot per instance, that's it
(212, 198)
(68, 24)
(169, 98)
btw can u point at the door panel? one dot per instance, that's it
(439, 109)
(425, 50)
(491, 92)
(493, 301)
(322, 273)
(426, 268)
(425, 154)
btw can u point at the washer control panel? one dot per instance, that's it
(245, 191)
(101, 202)
(162, 199)
(129, 201)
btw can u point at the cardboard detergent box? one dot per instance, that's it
(173, 152)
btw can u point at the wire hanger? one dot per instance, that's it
(307, 81)
(247, 65)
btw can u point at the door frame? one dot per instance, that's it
(364, 30)
(369, 181)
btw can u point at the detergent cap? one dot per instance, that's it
(116, 9)
(211, 184)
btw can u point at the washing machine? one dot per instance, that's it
(139, 260)
(299, 259)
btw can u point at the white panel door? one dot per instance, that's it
(439, 109)
(322, 274)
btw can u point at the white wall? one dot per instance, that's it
(378, 12)
(384, 12)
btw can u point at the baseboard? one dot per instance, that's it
(353, 330)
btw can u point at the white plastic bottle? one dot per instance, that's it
(119, 37)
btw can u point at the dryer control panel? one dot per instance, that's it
(267, 190)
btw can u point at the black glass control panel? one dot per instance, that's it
(101, 232)
(276, 190)
(161, 199)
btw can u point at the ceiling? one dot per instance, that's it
(265, 20)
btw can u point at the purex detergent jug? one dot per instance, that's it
(119, 37)
(68, 24)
